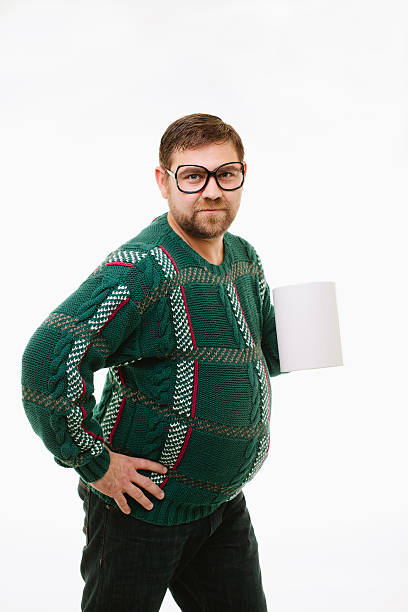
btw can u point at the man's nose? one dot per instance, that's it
(212, 191)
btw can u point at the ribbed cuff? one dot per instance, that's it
(94, 469)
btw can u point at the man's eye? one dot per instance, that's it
(225, 174)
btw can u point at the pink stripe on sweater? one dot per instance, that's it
(183, 450)
(114, 312)
(117, 419)
(168, 255)
(119, 263)
(91, 433)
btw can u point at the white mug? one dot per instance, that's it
(307, 326)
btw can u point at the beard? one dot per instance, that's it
(205, 225)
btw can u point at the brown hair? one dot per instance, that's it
(194, 131)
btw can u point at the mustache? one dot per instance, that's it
(218, 204)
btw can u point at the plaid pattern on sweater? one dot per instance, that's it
(189, 346)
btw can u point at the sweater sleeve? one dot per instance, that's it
(58, 365)
(269, 340)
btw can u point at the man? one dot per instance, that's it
(181, 315)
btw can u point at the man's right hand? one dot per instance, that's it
(121, 476)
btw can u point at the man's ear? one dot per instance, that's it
(160, 174)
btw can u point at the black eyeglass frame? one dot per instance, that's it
(209, 174)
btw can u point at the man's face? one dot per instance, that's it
(210, 212)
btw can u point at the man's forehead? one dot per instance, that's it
(212, 154)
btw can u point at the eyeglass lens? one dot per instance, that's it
(192, 178)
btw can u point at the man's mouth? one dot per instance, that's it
(210, 210)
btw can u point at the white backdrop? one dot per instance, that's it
(318, 92)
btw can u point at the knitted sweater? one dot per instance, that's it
(190, 347)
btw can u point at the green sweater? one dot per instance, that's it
(190, 347)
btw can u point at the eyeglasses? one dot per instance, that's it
(192, 179)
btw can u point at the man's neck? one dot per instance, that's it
(212, 249)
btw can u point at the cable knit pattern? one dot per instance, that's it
(189, 346)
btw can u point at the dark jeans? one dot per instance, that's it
(210, 564)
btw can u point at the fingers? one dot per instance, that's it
(120, 499)
(147, 464)
(149, 485)
(138, 495)
(121, 476)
